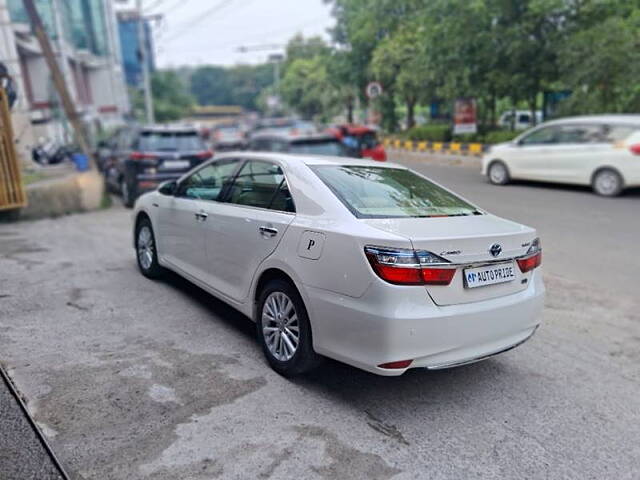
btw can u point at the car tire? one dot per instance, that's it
(498, 173)
(280, 312)
(146, 250)
(128, 194)
(607, 183)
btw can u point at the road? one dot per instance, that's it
(135, 379)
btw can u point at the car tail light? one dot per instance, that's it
(635, 148)
(206, 155)
(533, 257)
(142, 156)
(396, 365)
(409, 267)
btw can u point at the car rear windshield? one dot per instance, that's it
(318, 147)
(170, 141)
(378, 192)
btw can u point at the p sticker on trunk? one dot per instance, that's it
(310, 245)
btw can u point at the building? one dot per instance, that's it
(84, 38)
(130, 50)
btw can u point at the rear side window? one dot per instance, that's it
(188, 141)
(262, 185)
(377, 192)
(563, 134)
(208, 182)
(619, 133)
(323, 147)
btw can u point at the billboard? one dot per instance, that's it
(465, 116)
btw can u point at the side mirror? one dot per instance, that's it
(169, 188)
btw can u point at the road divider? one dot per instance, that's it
(454, 148)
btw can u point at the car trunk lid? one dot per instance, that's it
(466, 241)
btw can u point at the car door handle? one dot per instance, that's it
(201, 216)
(268, 231)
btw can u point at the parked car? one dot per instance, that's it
(367, 143)
(370, 264)
(275, 125)
(601, 151)
(519, 119)
(142, 158)
(228, 137)
(315, 144)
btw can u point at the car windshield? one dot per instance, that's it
(378, 192)
(318, 147)
(170, 141)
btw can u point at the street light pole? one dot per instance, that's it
(144, 63)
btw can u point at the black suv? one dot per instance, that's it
(316, 144)
(136, 160)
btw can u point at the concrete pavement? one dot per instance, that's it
(157, 380)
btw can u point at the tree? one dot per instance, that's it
(304, 88)
(247, 82)
(170, 100)
(398, 62)
(604, 79)
(211, 86)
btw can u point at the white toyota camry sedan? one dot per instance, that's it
(373, 265)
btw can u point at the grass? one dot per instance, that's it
(32, 177)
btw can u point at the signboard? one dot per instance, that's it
(374, 90)
(465, 116)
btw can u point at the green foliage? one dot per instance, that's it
(211, 86)
(500, 136)
(499, 51)
(304, 88)
(238, 85)
(604, 79)
(432, 133)
(170, 100)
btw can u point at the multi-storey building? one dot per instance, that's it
(84, 37)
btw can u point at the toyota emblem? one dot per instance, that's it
(495, 250)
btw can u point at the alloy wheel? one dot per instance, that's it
(607, 183)
(145, 247)
(498, 173)
(280, 326)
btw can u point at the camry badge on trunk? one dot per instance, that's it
(495, 250)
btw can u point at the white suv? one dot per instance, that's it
(601, 151)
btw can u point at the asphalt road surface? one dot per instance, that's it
(135, 379)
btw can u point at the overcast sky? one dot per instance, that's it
(195, 32)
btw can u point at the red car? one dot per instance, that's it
(368, 144)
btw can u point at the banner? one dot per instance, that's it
(465, 116)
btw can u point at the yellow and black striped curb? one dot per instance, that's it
(455, 148)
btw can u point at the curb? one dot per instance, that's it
(454, 148)
(6, 379)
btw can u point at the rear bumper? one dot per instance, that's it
(147, 183)
(390, 324)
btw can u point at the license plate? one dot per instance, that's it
(489, 275)
(175, 164)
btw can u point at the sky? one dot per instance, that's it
(196, 32)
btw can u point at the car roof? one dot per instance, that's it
(310, 160)
(617, 119)
(293, 138)
(168, 129)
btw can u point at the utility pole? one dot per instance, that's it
(58, 80)
(144, 63)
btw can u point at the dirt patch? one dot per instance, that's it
(346, 461)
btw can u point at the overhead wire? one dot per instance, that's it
(199, 18)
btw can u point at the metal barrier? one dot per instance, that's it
(12, 194)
